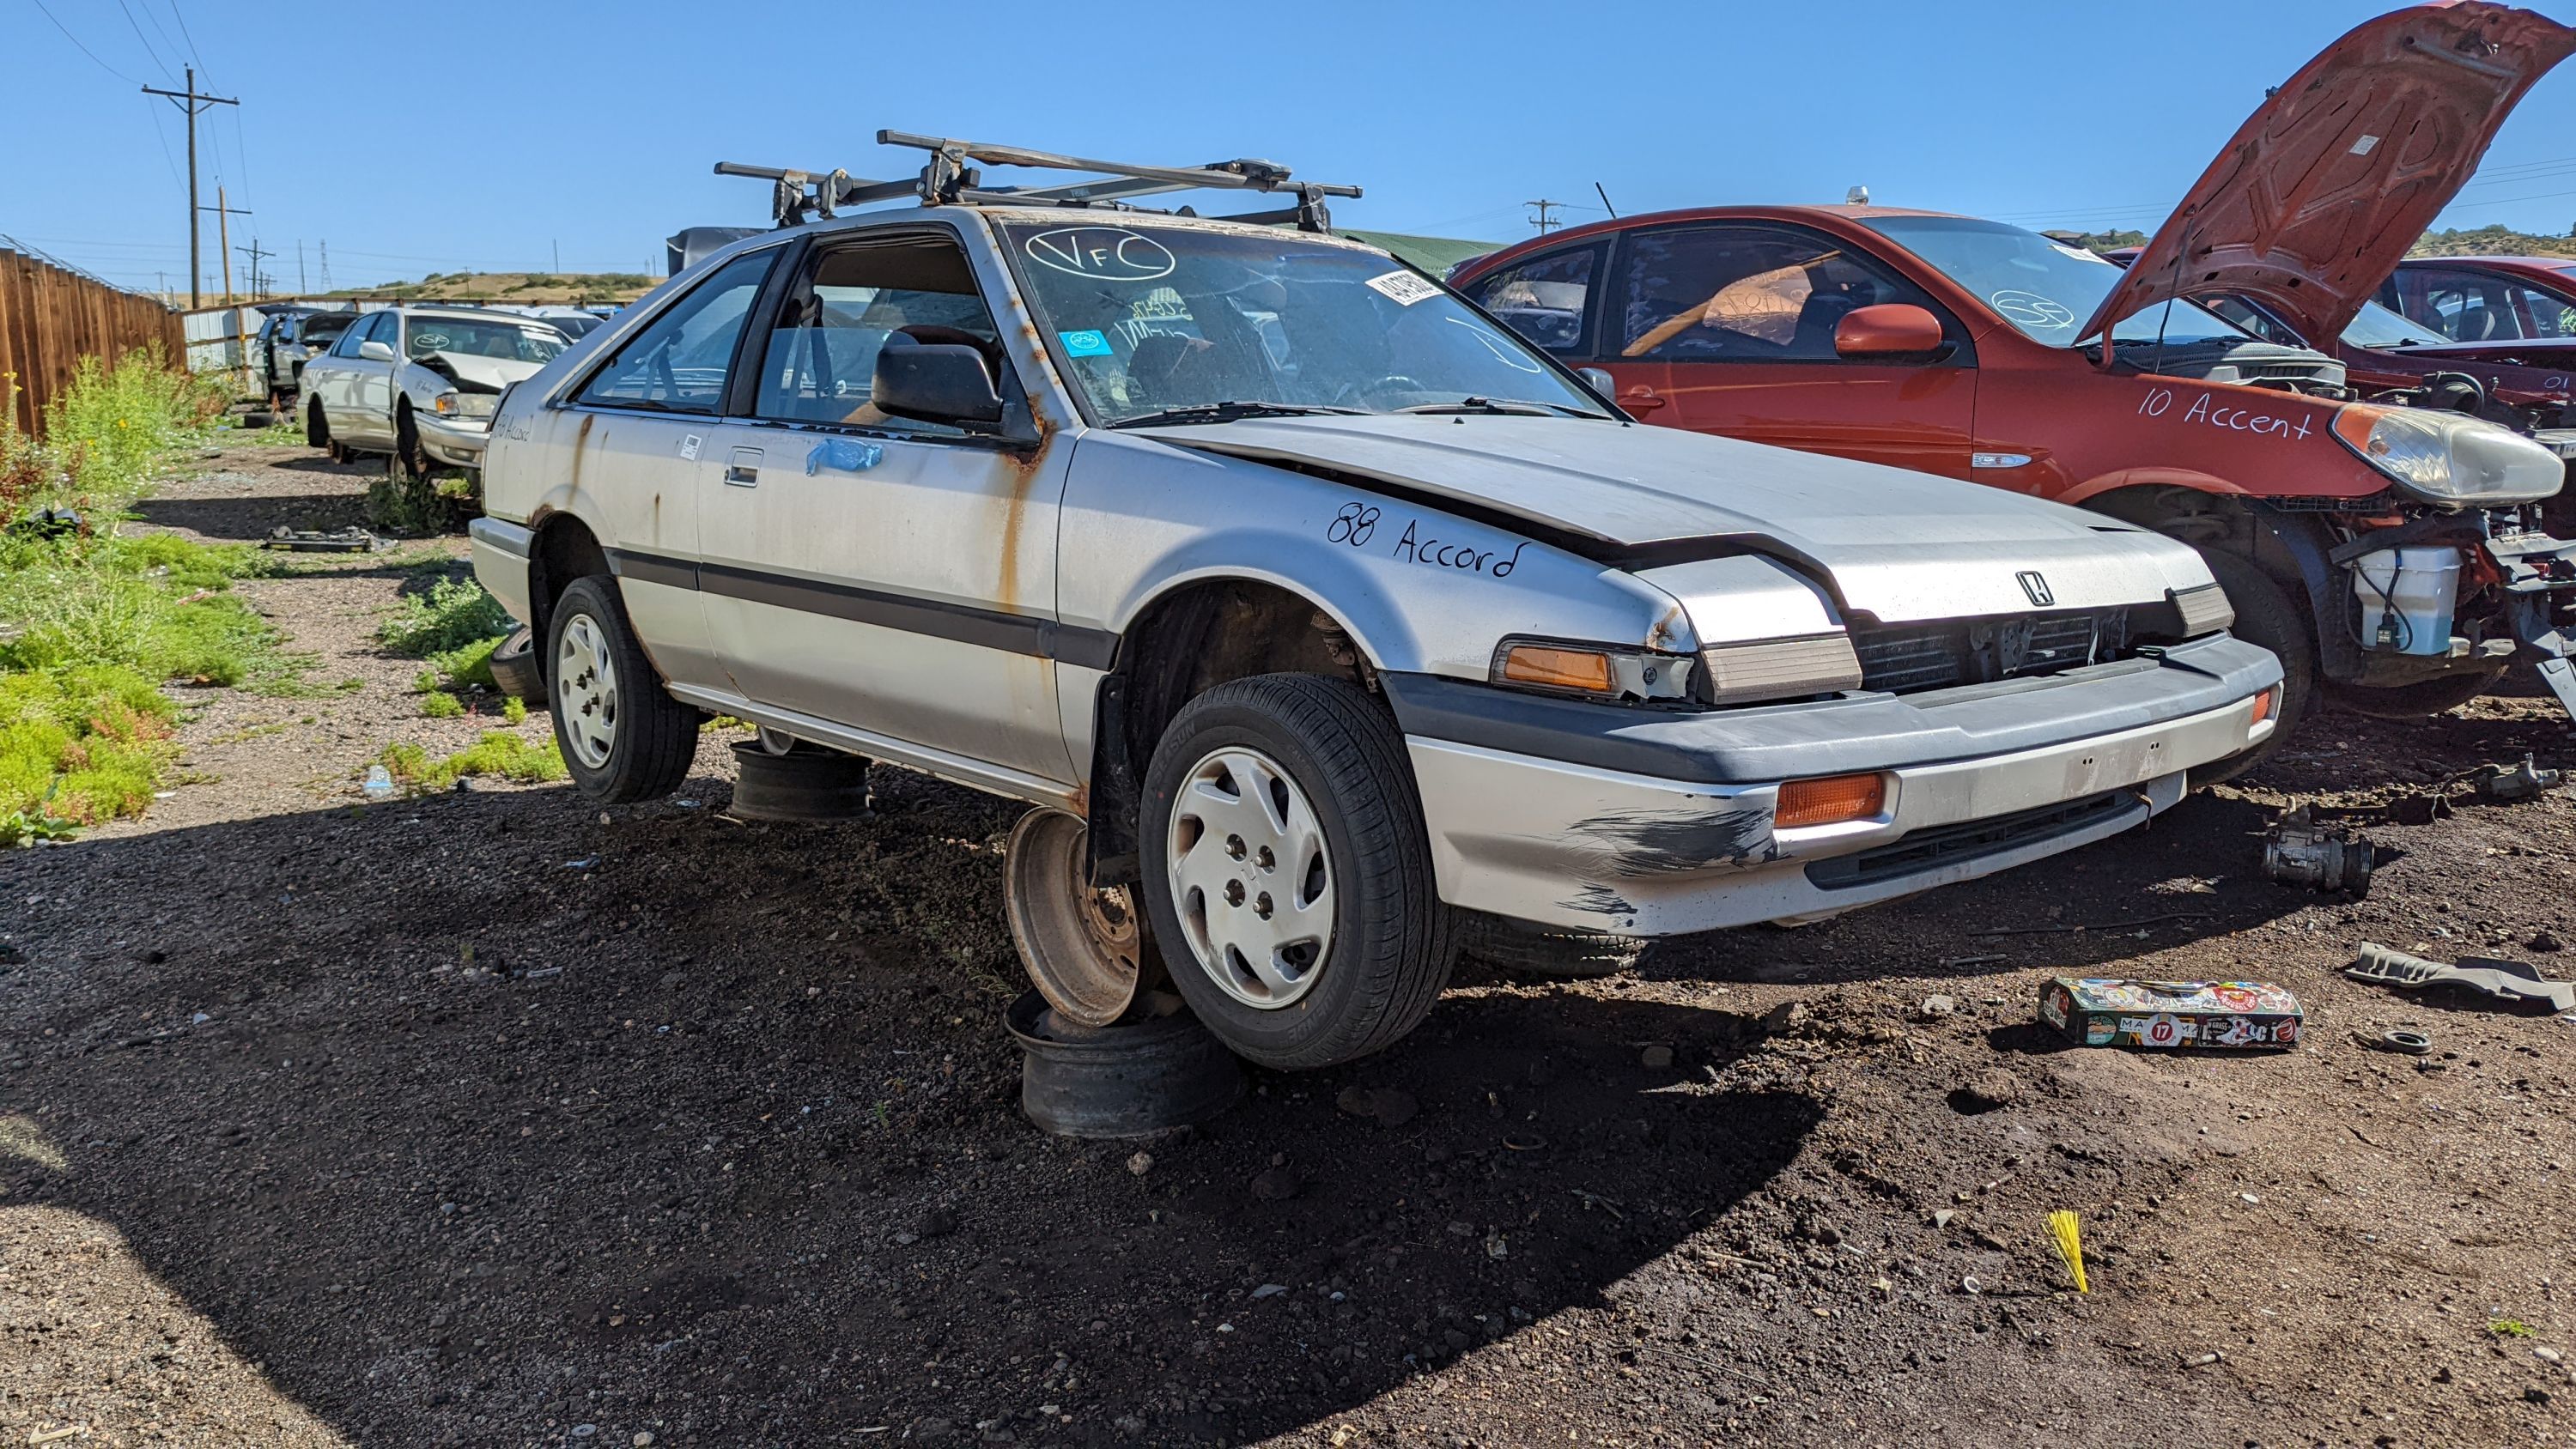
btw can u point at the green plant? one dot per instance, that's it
(498, 752)
(2510, 1328)
(403, 502)
(441, 705)
(514, 709)
(451, 614)
(18, 827)
(81, 744)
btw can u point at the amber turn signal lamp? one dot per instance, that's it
(1829, 801)
(2265, 703)
(1551, 668)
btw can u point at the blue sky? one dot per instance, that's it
(419, 138)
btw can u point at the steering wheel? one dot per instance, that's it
(1368, 391)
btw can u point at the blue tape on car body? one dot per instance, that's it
(847, 455)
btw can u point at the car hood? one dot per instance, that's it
(475, 372)
(1899, 545)
(2335, 175)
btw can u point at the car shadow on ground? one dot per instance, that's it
(476, 1117)
(2191, 873)
(252, 517)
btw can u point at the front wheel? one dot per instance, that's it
(2265, 615)
(317, 430)
(1287, 873)
(411, 460)
(624, 738)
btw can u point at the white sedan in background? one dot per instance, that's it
(421, 383)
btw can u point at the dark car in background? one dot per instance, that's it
(290, 337)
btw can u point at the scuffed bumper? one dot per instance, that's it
(1567, 838)
(455, 442)
(501, 550)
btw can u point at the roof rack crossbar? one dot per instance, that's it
(949, 178)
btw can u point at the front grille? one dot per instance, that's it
(1967, 840)
(1898, 659)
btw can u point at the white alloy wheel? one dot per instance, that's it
(1251, 879)
(586, 690)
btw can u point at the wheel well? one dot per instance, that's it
(1184, 644)
(563, 550)
(2293, 548)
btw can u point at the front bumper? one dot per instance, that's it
(1588, 817)
(457, 442)
(501, 550)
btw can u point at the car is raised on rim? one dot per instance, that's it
(1325, 610)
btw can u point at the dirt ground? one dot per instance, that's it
(494, 1118)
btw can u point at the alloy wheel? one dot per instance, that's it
(586, 691)
(1251, 878)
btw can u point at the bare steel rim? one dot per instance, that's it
(586, 691)
(1251, 879)
(1084, 947)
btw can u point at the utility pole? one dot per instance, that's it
(195, 105)
(224, 237)
(1543, 221)
(258, 281)
(299, 266)
(326, 264)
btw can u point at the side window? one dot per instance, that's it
(680, 361)
(2466, 307)
(1545, 298)
(853, 302)
(2543, 314)
(2253, 319)
(360, 332)
(1742, 294)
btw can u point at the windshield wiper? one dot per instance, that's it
(1503, 407)
(1225, 412)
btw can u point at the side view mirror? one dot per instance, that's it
(1600, 381)
(937, 382)
(376, 351)
(1888, 329)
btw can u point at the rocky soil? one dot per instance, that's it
(494, 1118)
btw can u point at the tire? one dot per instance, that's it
(1521, 949)
(2266, 615)
(411, 461)
(1388, 942)
(514, 667)
(623, 736)
(317, 431)
(2421, 700)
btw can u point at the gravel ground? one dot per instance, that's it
(494, 1118)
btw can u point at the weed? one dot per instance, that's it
(81, 744)
(498, 752)
(453, 613)
(442, 705)
(2510, 1328)
(514, 709)
(402, 502)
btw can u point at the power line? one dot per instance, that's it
(147, 44)
(83, 49)
(195, 104)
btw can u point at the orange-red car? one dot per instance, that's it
(2390, 555)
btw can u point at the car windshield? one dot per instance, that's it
(1156, 321)
(2044, 289)
(2379, 327)
(475, 337)
(324, 328)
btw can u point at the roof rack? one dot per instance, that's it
(950, 179)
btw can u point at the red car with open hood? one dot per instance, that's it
(2391, 555)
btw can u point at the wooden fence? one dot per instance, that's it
(51, 318)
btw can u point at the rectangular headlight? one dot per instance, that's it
(2204, 610)
(1781, 668)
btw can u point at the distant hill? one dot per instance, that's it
(579, 289)
(2485, 241)
(2492, 241)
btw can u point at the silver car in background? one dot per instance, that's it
(1326, 616)
(420, 384)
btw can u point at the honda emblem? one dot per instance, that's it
(2037, 587)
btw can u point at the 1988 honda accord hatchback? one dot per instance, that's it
(1333, 611)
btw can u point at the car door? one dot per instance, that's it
(1552, 300)
(634, 444)
(1732, 325)
(336, 388)
(886, 575)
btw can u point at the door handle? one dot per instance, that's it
(1642, 399)
(743, 470)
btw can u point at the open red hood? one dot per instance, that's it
(2337, 173)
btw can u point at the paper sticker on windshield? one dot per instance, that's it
(1102, 253)
(2031, 309)
(1402, 288)
(1084, 344)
